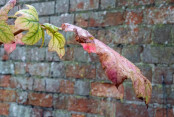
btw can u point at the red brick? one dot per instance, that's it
(134, 2)
(161, 112)
(5, 81)
(78, 5)
(83, 105)
(133, 110)
(43, 100)
(134, 17)
(77, 115)
(162, 15)
(82, 19)
(80, 71)
(4, 109)
(105, 90)
(66, 86)
(61, 102)
(69, 56)
(106, 19)
(7, 95)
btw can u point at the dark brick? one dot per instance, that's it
(39, 84)
(60, 102)
(36, 112)
(162, 34)
(163, 112)
(125, 110)
(132, 53)
(158, 54)
(163, 72)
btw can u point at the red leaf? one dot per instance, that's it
(117, 68)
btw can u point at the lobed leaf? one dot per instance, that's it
(28, 20)
(57, 41)
(6, 34)
(117, 68)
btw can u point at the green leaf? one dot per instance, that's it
(29, 20)
(43, 38)
(57, 41)
(6, 34)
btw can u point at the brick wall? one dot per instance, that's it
(36, 83)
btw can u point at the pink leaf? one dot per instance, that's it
(117, 68)
(9, 47)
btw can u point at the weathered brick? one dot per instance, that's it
(129, 92)
(70, 37)
(43, 20)
(62, 6)
(82, 19)
(19, 68)
(163, 73)
(162, 34)
(2, 2)
(77, 70)
(125, 110)
(52, 56)
(61, 114)
(52, 85)
(39, 84)
(21, 83)
(132, 53)
(161, 15)
(44, 8)
(146, 71)
(66, 86)
(48, 113)
(5, 81)
(36, 112)
(83, 105)
(69, 54)
(100, 73)
(105, 90)
(4, 109)
(133, 17)
(19, 54)
(43, 100)
(80, 5)
(107, 4)
(81, 55)
(134, 2)
(38, 69)
(158, 54)
(19, 111)
(6, 67)
(7, 95)
(82, 88)
(36, 54)
(57, 69)
(98, 19)
(163, 1)
(64, 18)
(161, 93)
(22, 97)
(162, 112)
(125, 35)
(77, 115)
(61, 102)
